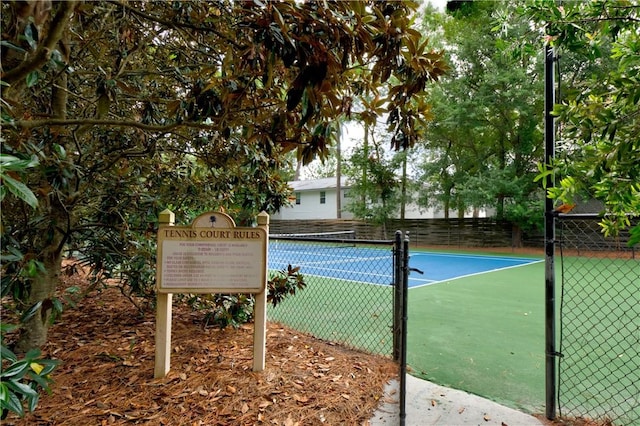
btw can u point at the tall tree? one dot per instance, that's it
(598, 112)
(131, 106)
(378, 196)
(485, 139)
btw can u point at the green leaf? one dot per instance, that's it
(14, 256)
(6, 353)
(9, 162)
(60, 151)
(33, 402)
(32, 354)
(42, 381)
(20, 190)
(7, 328)
(57, 305)
(4, 392)
(5, 43)
(12, 403)
(17, 369)
(49, 365)
(30, 312)
(32, 78)
(20, 388)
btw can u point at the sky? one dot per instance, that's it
(439, 4)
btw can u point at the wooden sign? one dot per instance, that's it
(211, 257)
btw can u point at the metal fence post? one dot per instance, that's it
(403, 340)
(549, 236)
(397, 295)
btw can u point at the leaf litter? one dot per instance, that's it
(107, 351)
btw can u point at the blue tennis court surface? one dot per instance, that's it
(375, 265)
(439, 267)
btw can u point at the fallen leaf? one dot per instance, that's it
(461, 410)
(433, 403)
(290, 422)
(345, 396)
(244, 408)
(264, 404)
(301, 399)
(486, 418)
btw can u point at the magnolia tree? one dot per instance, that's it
(598, 112)
(124, 108)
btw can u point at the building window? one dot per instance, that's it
(323, 197)
(298, 198)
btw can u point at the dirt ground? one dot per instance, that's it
(107, 351)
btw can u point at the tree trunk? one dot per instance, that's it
(44, 284)
(365, 147)
(338, 180)
(500, 207)
(403, 190)
(516, 236)
(43, 287)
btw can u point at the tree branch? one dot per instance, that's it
(33, 124)
(171, 24)
(41, 56)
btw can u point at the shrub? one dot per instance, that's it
(22, 378)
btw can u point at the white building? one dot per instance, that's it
(316, 199)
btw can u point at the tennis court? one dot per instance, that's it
(374, 265)
(475, 320)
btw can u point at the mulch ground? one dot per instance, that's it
(107, 351)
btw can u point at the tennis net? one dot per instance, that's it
(337, 238)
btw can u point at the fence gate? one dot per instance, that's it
(599, 327)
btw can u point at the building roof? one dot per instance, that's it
(318, 184)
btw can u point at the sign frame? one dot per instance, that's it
(164, 303)
(215, 258)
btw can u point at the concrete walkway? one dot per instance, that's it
(429, 404)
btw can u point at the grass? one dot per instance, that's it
(482, 334)
(352, 313)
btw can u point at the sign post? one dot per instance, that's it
(210, 256)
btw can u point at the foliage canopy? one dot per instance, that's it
(129, 107)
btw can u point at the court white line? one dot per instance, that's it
(467, 275)
(477, 256)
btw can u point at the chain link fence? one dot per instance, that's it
(349, 293)
(599, 365)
